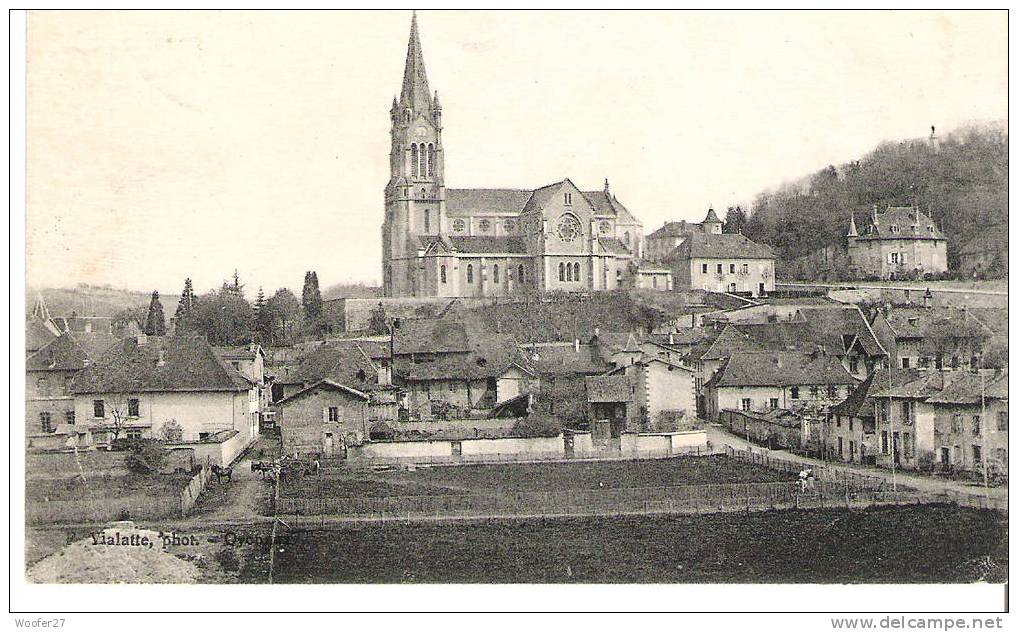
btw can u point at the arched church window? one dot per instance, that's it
(459, 226)
(424, 160)
(576, 271)
(470, 273)
(494, 273)
(569, 272)
(626, 237)
(561, 272)
(413, 160)
(427, 220)
(484, 225)
(521, 273)
(442, 272)
(431, 160)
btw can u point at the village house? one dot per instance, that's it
(899, 242)
(50, 371)
(664, 393)
(721, 262)
(931, 337)
(451, 368)
(671, 235)
(851, 431)
(168, 387)
(653, 278)
(790, 380)
(611, 408)
(361, 365)
(324, 418)
(970, 423)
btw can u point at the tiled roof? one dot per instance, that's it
(676, 229)
(912, 383)
(920, 322)
(971, 388)
(835, 327)
(70, 352)
(904, 218)
(858, 403)
(723, 246)
(608, 388)
(188, 364)
(607, 204)
(37, 335)
(341, 362)
(323, 384)
(474, 201)
(509, 245)
(613, 246)
(430, 335)
(562, 358)
(782, 368)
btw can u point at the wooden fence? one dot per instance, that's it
(189, 496)
(517, 457)
(686, 499)
(856, 480)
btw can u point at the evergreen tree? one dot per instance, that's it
(263, 318)
(311, 297)
(155, 324)
(186, 303)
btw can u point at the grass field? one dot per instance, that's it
(908, 545)
(465, 479)
(105, 486)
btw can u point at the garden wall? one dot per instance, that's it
(64, 464)
(220, 449)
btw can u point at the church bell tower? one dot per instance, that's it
(415, 194)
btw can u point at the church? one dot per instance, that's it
(439, 241)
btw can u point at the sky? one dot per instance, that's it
(189, 144)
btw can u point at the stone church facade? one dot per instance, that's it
(438, 241)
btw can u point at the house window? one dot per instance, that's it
(703, 268)
(795, 392)
(69, 417)
(956, 423)
(832, 391)
(906, 444)
(470, 273)
(133, 407)
(721, 268)
(850, 424)
(494, 274)
(745, 268)
(653, 281)
(618, 277)
(883, 443)
(747, 403)
(731, 268)
(774, 402)
(133, 433)
(442, 273)
(520, 270)
(46, 422)
(1002, 421)
(906, 363)
(977, 455)
(894, 257)
(333, 414)
(98, 409)
(977, 425)
(42, 385)
(853, 364)
(837, 420)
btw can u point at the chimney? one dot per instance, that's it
(671, 338)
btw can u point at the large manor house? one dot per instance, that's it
(438, 241)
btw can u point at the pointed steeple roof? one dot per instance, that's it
(711, 217)
(415, 94)
(852, 232)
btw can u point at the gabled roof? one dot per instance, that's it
(838, 328)
(912, 383)
(459, 202)
(70, 352)
(605, 203)
(38, 334)
(920, 322)
(323, 384)
(721, 246)
(782, 368)
(562, 358)
(183, 363)
(608, 388)
(858, 403)
(430, 335)
(343, 362)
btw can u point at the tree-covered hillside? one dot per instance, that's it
(963, 182)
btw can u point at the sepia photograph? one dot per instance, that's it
(441, 297)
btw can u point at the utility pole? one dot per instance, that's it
(890, 421)
(985, 427)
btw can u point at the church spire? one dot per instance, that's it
(415, 94)
(852, 232)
